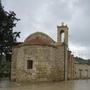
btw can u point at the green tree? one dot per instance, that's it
(8, 37)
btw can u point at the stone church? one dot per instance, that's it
(40, 58)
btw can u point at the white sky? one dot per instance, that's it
(45, 15)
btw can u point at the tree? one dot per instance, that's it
(8, 37)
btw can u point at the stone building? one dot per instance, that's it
(40, 58)
(82, 71)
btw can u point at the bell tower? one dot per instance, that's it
(62, 40)
(62, 34)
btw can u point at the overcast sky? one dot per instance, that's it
(45, 15)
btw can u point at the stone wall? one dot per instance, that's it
(82, 71)
(71, 66)
(48, 63)
(60, 63)
(14, 63)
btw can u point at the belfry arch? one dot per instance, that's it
(62, 36)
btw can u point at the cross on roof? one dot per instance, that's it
(62, 23)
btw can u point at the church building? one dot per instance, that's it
(40, 58)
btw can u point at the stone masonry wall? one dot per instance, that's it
(13, 64)
(60, 63)
(69, 65)
(82, 71)
(48, 63)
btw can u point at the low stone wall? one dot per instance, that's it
(82, 71)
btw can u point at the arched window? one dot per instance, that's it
(62, 36)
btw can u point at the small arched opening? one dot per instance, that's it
(62, 36)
